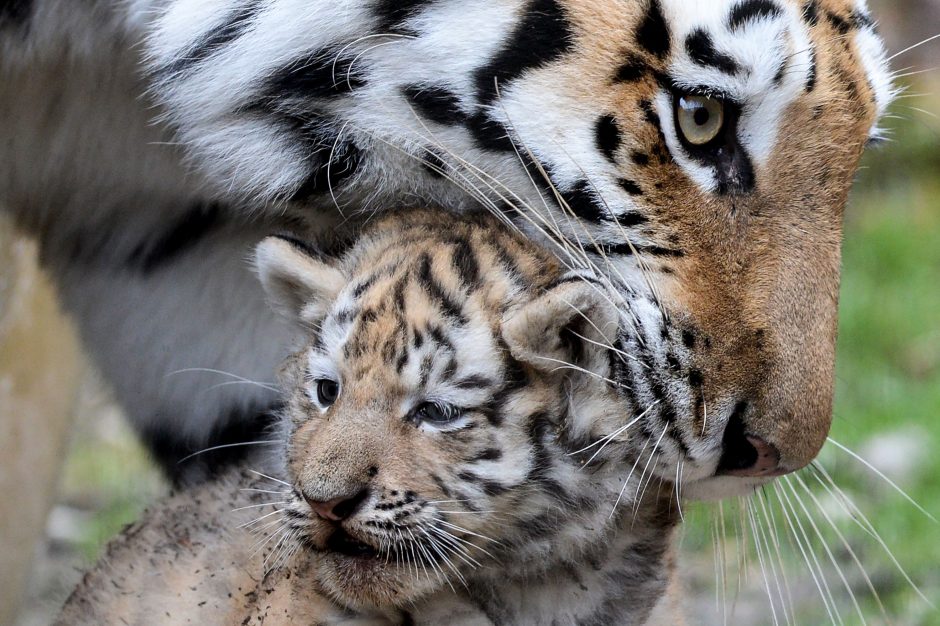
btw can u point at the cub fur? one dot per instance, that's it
(451, 438)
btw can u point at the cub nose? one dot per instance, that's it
(338, 509)
(745, 455)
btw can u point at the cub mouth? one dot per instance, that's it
(341, 542)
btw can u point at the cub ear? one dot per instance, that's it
(298, 283)
(568, 323)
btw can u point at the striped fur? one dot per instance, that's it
(440, 308)
(504, 513)
(562, 114)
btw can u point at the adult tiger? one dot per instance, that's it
(698, 155)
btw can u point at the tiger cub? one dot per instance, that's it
(452, 451)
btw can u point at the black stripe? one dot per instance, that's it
(607, 136)
(489, 134)
(326, 174)
(584, 204)
(331, 159)
(570, 278)
(304, 246)
(437, 104)
(781, 70)
(441, 485)
(752, 11)
(627, 249)
(812, 73)
(235, 25)
(490, 487)
(842, 25)
(653, 33)
(702, 50)
(630, 187)
(434, 164)
(631, 218)
(436, 291)
(489, 454)
(465, 262)
(542, 36)
(392, 13)
(364, 286)
(640, 158)
(862, 19)
(319, 75)
(438, 336)
(650, 114)
(184, 234)
(632, 70)
(811, 12)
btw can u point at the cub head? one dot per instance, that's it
(424, 407)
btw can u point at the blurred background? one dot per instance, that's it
(835, 544)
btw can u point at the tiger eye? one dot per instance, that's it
(327, 392)
(701, 118)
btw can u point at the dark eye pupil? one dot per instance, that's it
(432, 412)
(701, 116)
(327, 391)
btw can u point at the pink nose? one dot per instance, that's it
(766, 461)
(337, 509)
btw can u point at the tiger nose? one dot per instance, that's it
(337, 509)
(746, 455)
(754, 460)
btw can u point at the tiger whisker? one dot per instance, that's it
(630, 475)
(913, 47)
(271, 478)
(877, 537)
(640, 493)
(457, 546)
(844, 542)
(256, 506)
(809, 555)
(881, 475)
(760, 559)
(227, 445)
(772, 532)
(610, 438)
(264, 490)
(832, 559)
(614, 434)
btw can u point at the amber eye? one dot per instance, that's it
(327, 392)
(701, 118)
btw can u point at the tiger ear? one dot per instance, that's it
(298, 283)
(570, 323)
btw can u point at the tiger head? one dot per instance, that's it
(429, 424)
(697, 155)
(727, 139)
(702, 155)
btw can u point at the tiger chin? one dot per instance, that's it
(453, 451)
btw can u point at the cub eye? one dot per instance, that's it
(700, 118)
(327, 392)
(436, 413)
